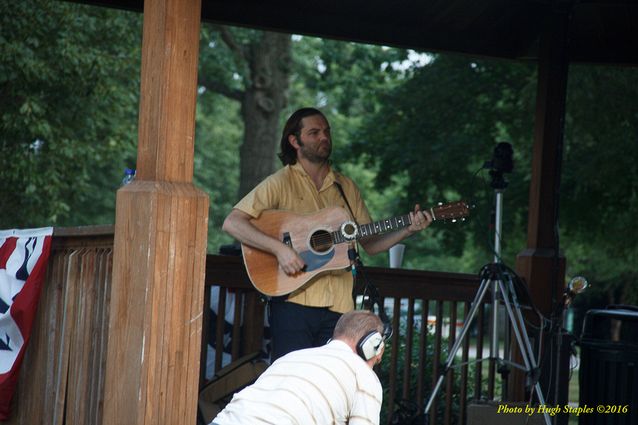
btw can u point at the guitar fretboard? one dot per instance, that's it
(376, 228)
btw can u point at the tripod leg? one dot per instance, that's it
(518, 326)
(523, 329)
(478, 299)
(494, 350)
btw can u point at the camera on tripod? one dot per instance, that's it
(499, 281)
(500, 163)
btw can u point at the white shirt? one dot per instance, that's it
(322, 385)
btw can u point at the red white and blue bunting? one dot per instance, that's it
(23, 259)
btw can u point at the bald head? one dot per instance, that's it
(354, 325)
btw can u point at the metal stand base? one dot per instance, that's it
(492, 279)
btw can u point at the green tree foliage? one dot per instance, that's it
(69, 87)
(68, 110)
(599, 195)
(440, 126)
(344, 79)
(218, 136)
(336, 76)
(243, 79)
(438, 129)
(257, 77)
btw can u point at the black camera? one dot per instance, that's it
(500, 163)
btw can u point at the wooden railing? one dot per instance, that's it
(61, 380)
(431, 309)
(62, 376)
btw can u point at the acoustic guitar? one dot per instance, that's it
(322, 240)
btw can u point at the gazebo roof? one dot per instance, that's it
(600, 31)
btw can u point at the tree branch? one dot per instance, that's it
(238, 50)
(221, 88)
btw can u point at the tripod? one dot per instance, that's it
(494, 279)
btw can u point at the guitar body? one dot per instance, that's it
(321, 240)
(309, 236)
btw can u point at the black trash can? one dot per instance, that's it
(608, 377)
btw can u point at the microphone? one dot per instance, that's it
(576, 285)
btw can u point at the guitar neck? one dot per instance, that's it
(450, 211)
(376, 228)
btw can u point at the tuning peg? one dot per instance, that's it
(440, 203)
(453, 220)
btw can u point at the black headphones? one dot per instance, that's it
(370, 345)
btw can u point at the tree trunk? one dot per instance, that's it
(261, 107)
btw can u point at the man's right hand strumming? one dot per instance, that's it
(238, 225)
(289, 261)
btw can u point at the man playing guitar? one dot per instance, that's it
(306, 317)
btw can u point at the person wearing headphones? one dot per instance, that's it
(331, 384)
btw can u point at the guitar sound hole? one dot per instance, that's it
(321, 241)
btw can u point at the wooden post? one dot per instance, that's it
(541, 265)
(535, 263)
(160, 237)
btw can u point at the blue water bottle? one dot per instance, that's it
(129, 175)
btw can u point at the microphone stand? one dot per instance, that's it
(369, 290)
(575, 286)
(357, 266)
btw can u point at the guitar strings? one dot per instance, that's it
(331, 238)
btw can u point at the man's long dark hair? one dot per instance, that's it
(287, 153)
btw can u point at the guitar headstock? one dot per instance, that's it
(450, 212)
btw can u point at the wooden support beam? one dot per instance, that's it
(537, 264)
(170, 52)
(541, 264)
(161, 223)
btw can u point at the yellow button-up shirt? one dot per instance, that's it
(292, 189)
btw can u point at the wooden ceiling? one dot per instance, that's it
(600, 31)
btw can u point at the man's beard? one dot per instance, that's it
(314, 156)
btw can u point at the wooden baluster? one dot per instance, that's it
(236, 334)
(407, 358)
(203, 355)
(220, 324)
(392, 385)
(436, 361)
(491, 373)
(464, 368)
(449, 385)
(423, 350)
(478, 376)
